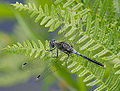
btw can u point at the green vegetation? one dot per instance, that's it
(93, 27)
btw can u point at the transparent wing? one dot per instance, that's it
(39, 67)
(35, 66)
(49, 69)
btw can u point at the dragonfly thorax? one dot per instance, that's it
(63, 46)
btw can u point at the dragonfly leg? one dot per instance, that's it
(57, 54)
(66, 60)
(67, 57)
(50, 49)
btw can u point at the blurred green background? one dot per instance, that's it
(16, 26)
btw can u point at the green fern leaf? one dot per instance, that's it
(29, 48)
(92, 31)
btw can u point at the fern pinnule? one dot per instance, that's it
(111, 57)
(68, 3)
(116, 84)
(77, 7)
(71, 32)
(88, 44)
(58, 1)
(88, 26)
(46, 18)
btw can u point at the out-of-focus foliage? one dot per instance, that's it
(92, 26)
(5, 11)
(11, 71)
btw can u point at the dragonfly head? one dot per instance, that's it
(52, 43)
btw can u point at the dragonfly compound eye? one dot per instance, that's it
(52, 44)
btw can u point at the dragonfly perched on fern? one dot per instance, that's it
(66, 48)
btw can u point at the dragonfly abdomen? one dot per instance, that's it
(92, 60)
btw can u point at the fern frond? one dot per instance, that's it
(48, 17)
(103, 30)
(93, 76)
(100, 35)
(28, 48)
(96, 34)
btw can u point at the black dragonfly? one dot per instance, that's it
(68, 49)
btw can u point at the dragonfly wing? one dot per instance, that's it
(50, 68)
(42, 67)
(36, 66)
(47, 71)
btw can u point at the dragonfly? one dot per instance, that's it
(67, 49)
